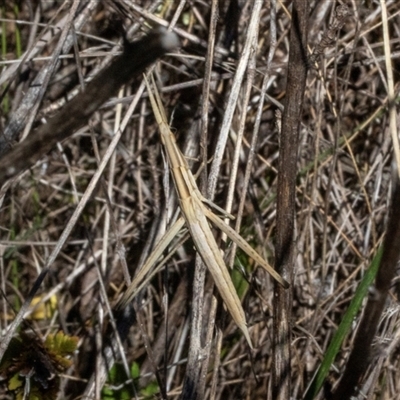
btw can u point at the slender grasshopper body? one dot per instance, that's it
(196, 216)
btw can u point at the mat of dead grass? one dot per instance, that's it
(342, 189)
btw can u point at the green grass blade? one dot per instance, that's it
(344, 328)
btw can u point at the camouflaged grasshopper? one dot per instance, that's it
(196, 216)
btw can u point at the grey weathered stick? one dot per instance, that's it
(134, 59)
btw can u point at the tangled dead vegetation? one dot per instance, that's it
(91, 208)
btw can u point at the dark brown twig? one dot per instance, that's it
(34, 94)
(135, 58)
(328, 38)
(287, 170)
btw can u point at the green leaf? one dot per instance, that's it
(15, 382)
(61, 344)
(150, 390)
(117, 377)
(135, 370)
